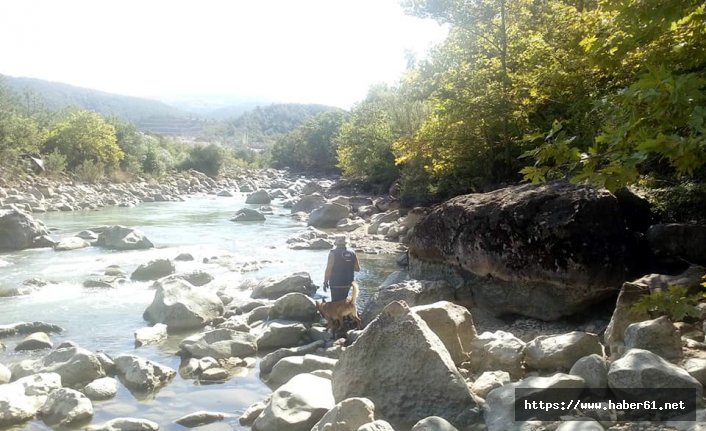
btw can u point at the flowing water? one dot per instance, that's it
(104, 319)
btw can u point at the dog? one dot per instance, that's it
(335, 312)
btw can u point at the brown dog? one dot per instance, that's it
(335, 312)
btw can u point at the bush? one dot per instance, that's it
(90, 171)
(54, 164)
(205, 159)
(675, 302)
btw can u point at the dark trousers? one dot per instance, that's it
(339, 293)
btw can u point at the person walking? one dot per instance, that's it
(340, 269)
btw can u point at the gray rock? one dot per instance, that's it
(87, 235)
(658, 336)
(276, 287)
(639, 369)
(65, 407)
(686, 241)
(150, 335)
(200, 418)
(308, 203)
(123, 238)
(580, 426)
(297, 405)
(5, 374)
(378, 425)
(504, 247)
(488, 381)
(499, 350)
(413, 292)
(253, 412)
(294, 306)
(378, 219)
(260, 197)
(106, 362)
(125, 424)
(184, 257)
(142, 375)
(348, 415)
(560, 352)
(101, 389)
(73, 243)
(269, 360)
(291, 366)
(593, 369)
(499, 409)
(180, 305)
(18, 230)
(36, 341)
(153, 270)
(696, 367)
(75, 365)
(631, 292)
(258, 314)
(453, 324)
(328, 215)
(20, 401)
(219, 344)
(433, 423)
(392, 349)
(247, 214)
(279, 333)
(197, 278)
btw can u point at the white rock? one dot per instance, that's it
(101, 389)
(348, 415)
(488, 381)
(65, 407)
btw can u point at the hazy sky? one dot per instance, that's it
(313, 51)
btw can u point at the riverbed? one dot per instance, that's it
(104, 319)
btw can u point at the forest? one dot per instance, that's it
(611, 92)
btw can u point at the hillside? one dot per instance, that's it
(148, 115)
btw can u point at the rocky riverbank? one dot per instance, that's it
(433, 355)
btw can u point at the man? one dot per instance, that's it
(342, 263)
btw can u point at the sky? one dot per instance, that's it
(307, 51)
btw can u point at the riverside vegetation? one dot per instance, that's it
(589, 280)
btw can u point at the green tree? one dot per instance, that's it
(85, 136)
(207, 159)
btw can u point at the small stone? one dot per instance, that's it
(35, 341)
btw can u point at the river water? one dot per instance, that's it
(104, 319)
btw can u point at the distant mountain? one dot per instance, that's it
(215, 107)
(148, 115)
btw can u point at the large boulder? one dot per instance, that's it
(181, 306)
(297, 405)
(20, 401)
(542, 251)
(150, 335)
(75, 365)
(272, 358)
(657, 335)
(279, 333)
(142, 375)
(678, 241)
(412, 292)
(290, 366)
(35, 341)
(593, 369)
(18, 230)
(433, 423)
(260, 197)
(308, 203)
(500, 410)
(384, 366)
(348, 415)
(153, 270)
(642, 373)
(328, 215)
(123, 238)
(631, 292)
(219, 344)
(276, 287)
(497, 351)
(294, 306)
(453, 324)
(560, 352)
(65, 407)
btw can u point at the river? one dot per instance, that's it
(104, 319)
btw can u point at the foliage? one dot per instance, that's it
(653, 60)
(90, 171)
(54, 163)
(681, 203)
(310, 147)
(675, 302)
(85, 136)
(207, 159)
(151, 163)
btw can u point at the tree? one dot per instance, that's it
(82, 136)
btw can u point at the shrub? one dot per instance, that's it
(54, 164)
(675, 302)
(90, 171)
(205, 159)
